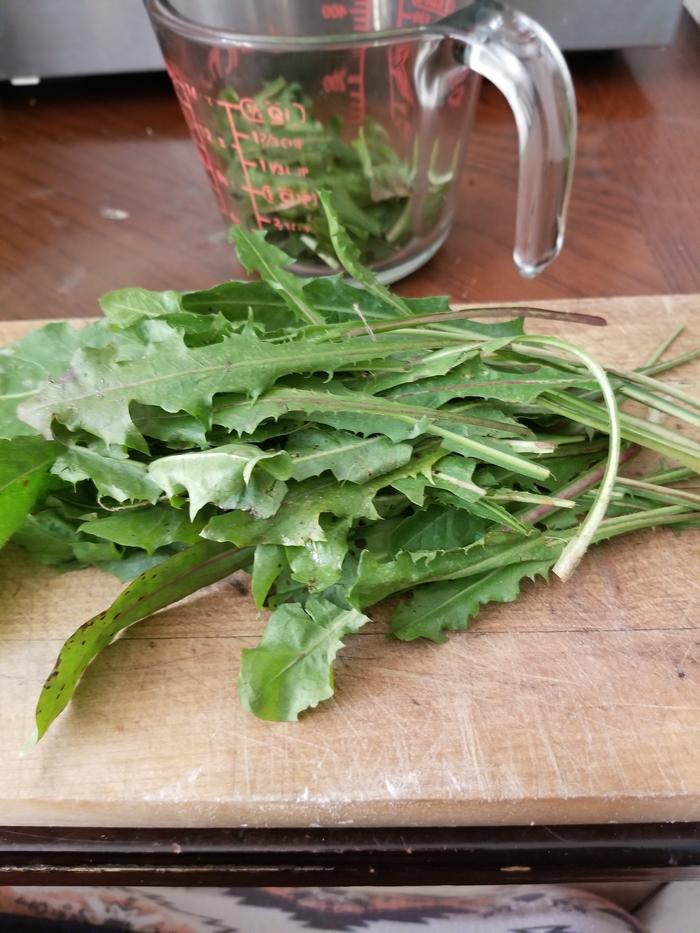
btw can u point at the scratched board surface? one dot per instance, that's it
(578, 703)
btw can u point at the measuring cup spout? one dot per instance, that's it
(525, 64)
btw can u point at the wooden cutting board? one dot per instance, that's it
(578, 703)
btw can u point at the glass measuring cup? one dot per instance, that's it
(372, 100)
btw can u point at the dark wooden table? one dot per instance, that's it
(73, 152)
(75, 155)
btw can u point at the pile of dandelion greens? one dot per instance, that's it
(338, 443)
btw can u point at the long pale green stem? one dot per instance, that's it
(674, 363)
(577, 547)
(664, 345)
(636, 430)
(649, 518)
(655, 385)
(660, 404)
(677, 475)
(663, 492)
(474, 448)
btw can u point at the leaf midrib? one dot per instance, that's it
(325, 636)
(311, 355)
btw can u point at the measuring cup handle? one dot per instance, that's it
(525, 64)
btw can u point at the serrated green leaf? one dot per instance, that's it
(440, 607)
(237, 300)
(126, 306)
(438, 363)
(436, 528)
(337, 300)
(291, 669)
(341, 409)
(121, 480)
(297, 521)
(175, 578)
(332, 296)
(257, 255)
(219, 476)
(149, 528)
(24, 477)
(41, 354)
(376, 579)
(475, 378)
(368, 415)
(96, 392)
(348, 457)
(349, 256)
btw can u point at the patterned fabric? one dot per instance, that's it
(525, 909)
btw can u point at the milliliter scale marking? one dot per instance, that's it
(278, 116)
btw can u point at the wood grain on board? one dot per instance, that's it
(579, 703)
(72, 153)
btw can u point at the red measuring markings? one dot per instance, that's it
(349, 80)
(256, 113)
(220, 63)
(292, 226)
(271, 112)
(270, 141)
(188, 95)
(401, 95)
(355, 84)
(334, 11)
(422, 12)
(279, 169)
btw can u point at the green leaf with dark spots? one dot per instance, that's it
(184, 573)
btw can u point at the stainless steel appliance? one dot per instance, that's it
(58, 38)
